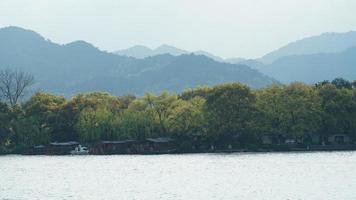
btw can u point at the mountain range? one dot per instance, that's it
(314, 67)
(311, 59)
(80, 67)
(140, 51)
(324, 43)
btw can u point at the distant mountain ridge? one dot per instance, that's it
(324, 43)
(313, 68)
(140, 51)
(80, 67)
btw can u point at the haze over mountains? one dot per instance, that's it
(140, 51)
(313, 59)
(81, 67)
(324, 43)
(310, 60)
(314, 67)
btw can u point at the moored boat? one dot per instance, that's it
(80, 150)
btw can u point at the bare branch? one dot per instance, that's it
(14, 84)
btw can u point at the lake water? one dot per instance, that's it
(324, 175)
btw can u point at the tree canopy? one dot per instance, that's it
(225, 115)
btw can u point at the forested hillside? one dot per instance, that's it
(81, 67)
(313, 68)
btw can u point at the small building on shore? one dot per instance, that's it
(147, 146)
(115, 147)
(338, 139)
(270, 139)
(159, 145)
(36, 150)
(315, 139)
(61, 148)
(267, 139)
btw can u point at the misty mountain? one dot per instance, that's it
(254, 64)
(140, 51)
(80, 67)
(235, 60)
(325, 43)
(314, 68)
(137, 51)
(210, 55)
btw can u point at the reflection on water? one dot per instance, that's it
(327, 175)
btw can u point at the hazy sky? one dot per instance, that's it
(229, 28)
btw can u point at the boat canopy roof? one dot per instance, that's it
(160, 140)
(118, 142)
(64, 143)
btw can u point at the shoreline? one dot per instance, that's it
(292, 150)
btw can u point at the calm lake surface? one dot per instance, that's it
(324, 175)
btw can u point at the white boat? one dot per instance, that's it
(80, 150)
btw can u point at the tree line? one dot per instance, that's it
(226, 114)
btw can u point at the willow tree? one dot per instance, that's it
(46, 109)
(96, 124)
(91, 102)
(161, 107)
(188, 118)
(138, 122)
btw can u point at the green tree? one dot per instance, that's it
(301, 110)
(45, 108)
(96, 124)
(339, 110)
(161, 107)
(71, 110)
(231, 110)
(342, 83)
(31, 131)
(5, 128)
(196, 92)
(188, 118)
(271, 110)
(137, 122)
